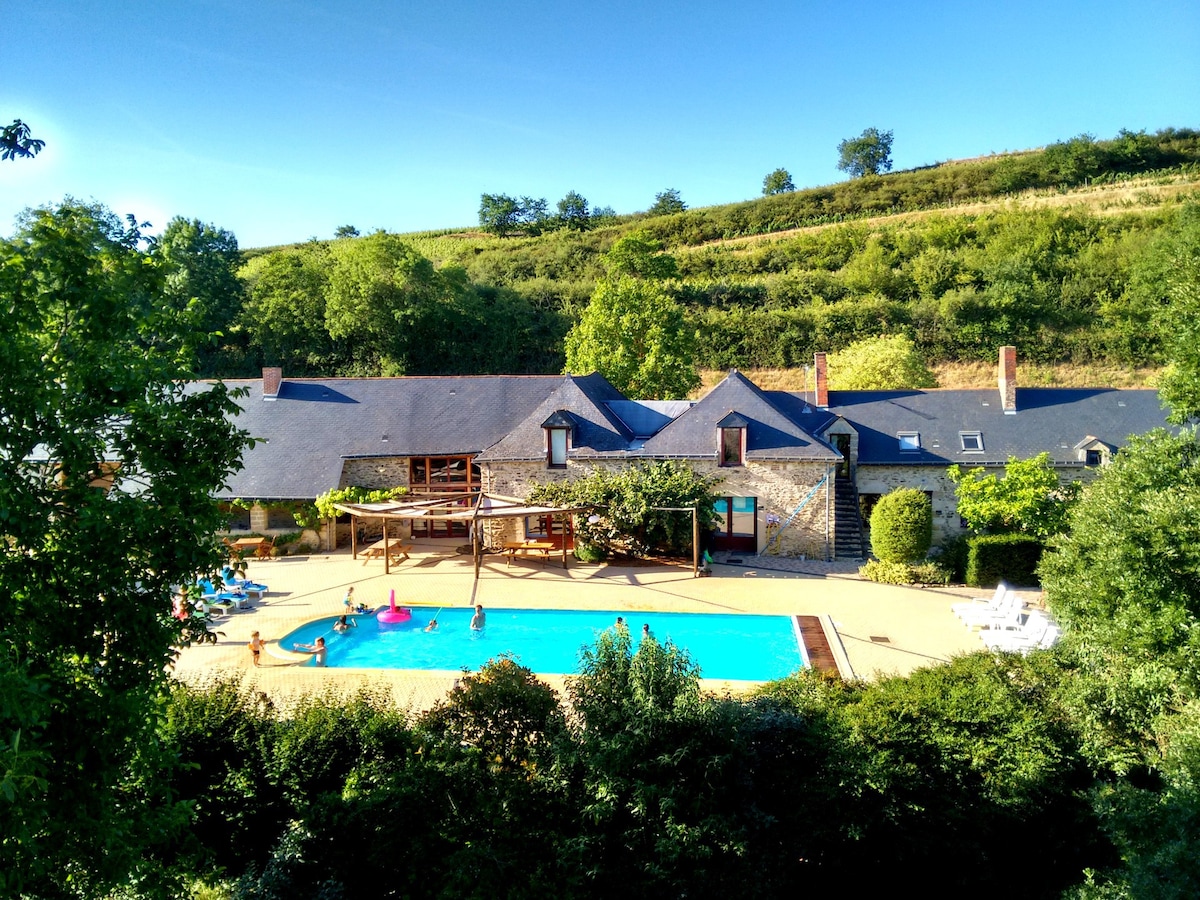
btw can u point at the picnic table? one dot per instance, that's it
(395, 551)
(512, 548)
(247, 543)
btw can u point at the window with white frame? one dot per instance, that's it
(971, 441)
(910, 441)
(557, 448)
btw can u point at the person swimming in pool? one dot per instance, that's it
(432, 626)
(479, 619)
(317, 650)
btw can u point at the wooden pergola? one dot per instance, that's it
(450, 507)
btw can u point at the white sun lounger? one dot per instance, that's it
(1008, 614)
(981, 603)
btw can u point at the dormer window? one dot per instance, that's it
(971, 441)
(1092, 451)
(731, 436)
(558, 434)
(910, 441)
(556, 457)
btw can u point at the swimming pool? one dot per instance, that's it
(732, 647)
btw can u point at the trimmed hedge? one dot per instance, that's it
(992, 558)
(902, 526)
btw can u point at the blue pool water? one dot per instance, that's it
(734, 647)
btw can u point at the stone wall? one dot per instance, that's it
(932, 479)
(375, 474)
(779, 487)
(946, 521)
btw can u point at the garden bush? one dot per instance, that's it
(887, 572)
(902, 526)
(992, 558)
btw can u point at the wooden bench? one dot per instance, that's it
(395, 550)
(528, 547)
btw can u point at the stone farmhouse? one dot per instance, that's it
(798, 470)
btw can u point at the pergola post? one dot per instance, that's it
(387, 557)
(695, 543)
(476, 543)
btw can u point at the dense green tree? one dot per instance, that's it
(868, 154)
(1028, 499)
(1178, 318)
(284, 315)
(1124, 583)
(110, 466)
(637, 337)
(902, 526)
(499, 213)
(777, 182)
(573, 212)
(16, 140)
(345, 231)
(503, 215)
(201, 263)
(380, 299)
(887, 363)
(639, 255)
(667, 203)
(626, 500)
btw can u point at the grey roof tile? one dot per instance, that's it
(1054, 420)
(315, 424)
(771, 432)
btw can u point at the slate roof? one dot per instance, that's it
(307, 433)
(598, 431)
(316, 424)
(771, 433)
(1047, 419)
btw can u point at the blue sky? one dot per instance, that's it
(282, 120)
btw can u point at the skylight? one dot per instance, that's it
(972, 441)
(910, 441)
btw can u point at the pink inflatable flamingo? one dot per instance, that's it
(394, 614)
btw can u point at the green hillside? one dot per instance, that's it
(1051, 250)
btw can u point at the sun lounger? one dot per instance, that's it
(1009, 614)
(981, 603)
(1039, 632)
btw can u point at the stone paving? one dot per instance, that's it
(884, 629)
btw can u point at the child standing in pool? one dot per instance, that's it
(479, 619)
(317, 650)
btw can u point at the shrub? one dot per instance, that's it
(590, 553)
(902, 526)
(992, 558)
(952, 557)
(930, 572)
(887, 572)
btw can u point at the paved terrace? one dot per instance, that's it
(883, 629)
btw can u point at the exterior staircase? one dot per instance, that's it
(848, 539)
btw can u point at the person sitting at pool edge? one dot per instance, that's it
(479, 619)
(317, 650)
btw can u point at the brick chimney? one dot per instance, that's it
(1007, 380)
(272, 378)
(821, 373)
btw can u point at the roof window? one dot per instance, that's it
(971, 441)
(910, 441)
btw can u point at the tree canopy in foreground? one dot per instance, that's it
(110, 464)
